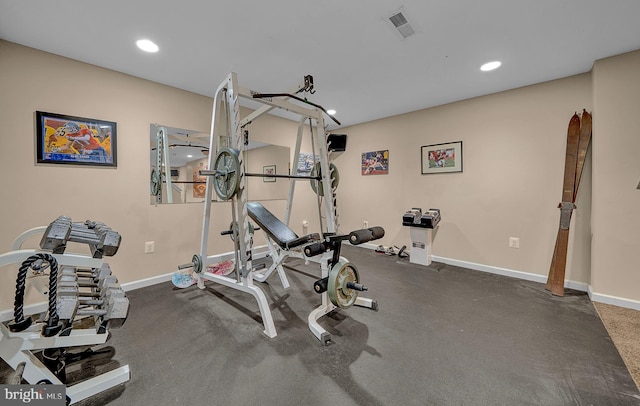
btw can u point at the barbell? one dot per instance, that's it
(226, 175)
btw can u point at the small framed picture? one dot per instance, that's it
(375, 163)
(269, 170)
(442, 158)
(62, 139)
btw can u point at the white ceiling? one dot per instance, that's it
(361, 66)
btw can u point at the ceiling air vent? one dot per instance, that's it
(401, 23)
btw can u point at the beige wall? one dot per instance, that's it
(616, 173)
(513, 160)
(34, 195)
(513, 149)
(256, 160)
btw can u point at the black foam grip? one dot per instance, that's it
(360, 236)
(378, 232)
(312, 250)
(320, 286)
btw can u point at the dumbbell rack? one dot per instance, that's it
(84, 289)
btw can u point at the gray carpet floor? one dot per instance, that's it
(443, 335)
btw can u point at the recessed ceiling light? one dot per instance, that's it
(490, 66)
(331, 112)
(147, 45)
(189, 156)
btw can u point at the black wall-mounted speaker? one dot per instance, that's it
(337, 142)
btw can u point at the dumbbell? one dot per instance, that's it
(56, 235)
(67, 300)
(87, 280)
(100, 238)
(113, 307)
(95, 273)
(117, 307)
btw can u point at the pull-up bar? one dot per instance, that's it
(271, 95)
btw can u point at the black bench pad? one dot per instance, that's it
(276, 229)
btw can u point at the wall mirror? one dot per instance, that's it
(187, 152)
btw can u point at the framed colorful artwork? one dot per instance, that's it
(62, 139)
(375, 163)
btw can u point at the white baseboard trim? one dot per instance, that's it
(491, 269)
(581, 286)
(143, 283)
(613, 300)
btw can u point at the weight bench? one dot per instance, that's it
(279, 233)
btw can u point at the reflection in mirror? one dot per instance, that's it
(181, 151)
(267, 159)
(186, 153)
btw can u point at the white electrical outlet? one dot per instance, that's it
(365, 224)
(149, 247)
(514, 242)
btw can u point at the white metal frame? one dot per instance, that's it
(278, 256)
(227, 95)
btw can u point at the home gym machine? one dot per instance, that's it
(339, 284)
(84, 302)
